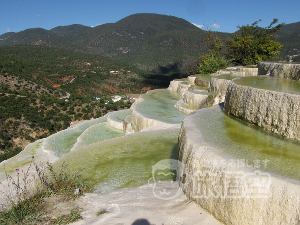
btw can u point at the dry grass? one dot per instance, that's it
(31, 198)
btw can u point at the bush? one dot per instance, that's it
(210, 63)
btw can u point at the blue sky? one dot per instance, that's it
(217, 15)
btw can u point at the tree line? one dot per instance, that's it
(248, 46)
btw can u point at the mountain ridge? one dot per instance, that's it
(139, 40)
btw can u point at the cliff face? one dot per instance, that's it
(275, 111)
(218, 187)
(282, 70)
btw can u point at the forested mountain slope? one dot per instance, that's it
(289, 37)
(139, 40)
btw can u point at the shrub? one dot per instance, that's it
(210, 63)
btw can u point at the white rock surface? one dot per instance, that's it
(196, 99)
(275, 111)
(191, 79)
(218, 89)
(182, 107)
(205, 183)
(182, 88)
(139, 122)
(174, 84)
(282, 70)
(141, 206)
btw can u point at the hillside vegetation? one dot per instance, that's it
(61, 71)
(138, 40)
(289, 37)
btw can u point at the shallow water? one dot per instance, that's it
(159, 105)
(59, 143)
(206, 77)
(122, 162)
(63, 141)
(270, 83)
(97, 133)
(244, 141)
(202, 91)
(23, 158)
(120, 115)
(227, 76)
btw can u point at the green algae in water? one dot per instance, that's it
(246, 141)
(185, 82)
(199, 91)
(226, 76)
(164, 94)
(196, 88)
(159, 105)
(122, 162)
(271, 83)
(206, 77)
(23, 158)
(97, 133)
(120, 115)
(62, 142)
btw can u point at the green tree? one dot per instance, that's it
(210, 63)
(251, 44)
(214, 60)
(215, 43)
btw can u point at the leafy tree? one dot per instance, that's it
(251, 44)
(214, 42)
(210, 63)
(214, 60)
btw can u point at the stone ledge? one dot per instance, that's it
(278, 112)
(279, 206)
